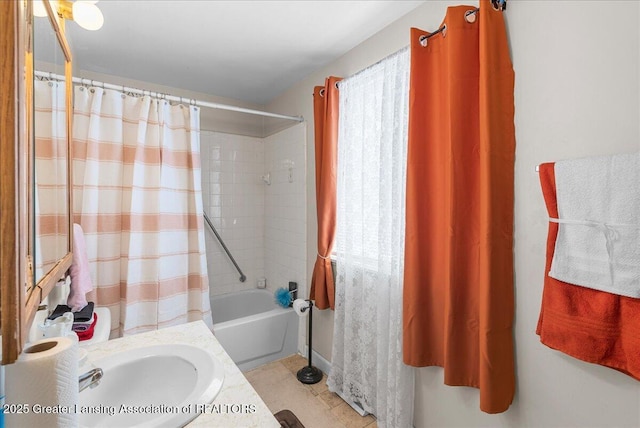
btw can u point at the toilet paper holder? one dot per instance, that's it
(309, 374)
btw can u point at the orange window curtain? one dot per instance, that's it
(458, 281)
(325, 116)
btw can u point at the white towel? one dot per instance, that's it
(598, 243)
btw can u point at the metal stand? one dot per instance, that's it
(310, 374)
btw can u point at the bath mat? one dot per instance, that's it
(288, 420)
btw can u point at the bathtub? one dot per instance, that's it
(252, 328)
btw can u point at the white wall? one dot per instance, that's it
(577, 94)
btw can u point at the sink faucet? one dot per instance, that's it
(90, 379)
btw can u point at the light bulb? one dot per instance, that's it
(87, 15)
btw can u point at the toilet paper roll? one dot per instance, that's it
(300, 304)
(42, 385)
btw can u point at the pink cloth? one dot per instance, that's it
(80, 279)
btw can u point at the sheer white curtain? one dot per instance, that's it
(367, 365)
(138, 197)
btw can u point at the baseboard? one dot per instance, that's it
(320, 362)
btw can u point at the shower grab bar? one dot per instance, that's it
(243, 278)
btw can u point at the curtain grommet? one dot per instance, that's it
(444, 30)
(499, 5)
(470, 16)
(424, 41)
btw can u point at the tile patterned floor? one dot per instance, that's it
(314, 405)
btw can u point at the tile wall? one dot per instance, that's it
(285, 209)
(262, 224)
(233, 196)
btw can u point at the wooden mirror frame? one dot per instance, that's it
(13, 176)
(19, 295)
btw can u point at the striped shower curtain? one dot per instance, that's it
(138, 197)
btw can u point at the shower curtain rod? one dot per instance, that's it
(191, 101)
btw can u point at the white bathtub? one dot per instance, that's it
(252, 328)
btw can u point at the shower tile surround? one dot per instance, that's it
(233, 197)
(285, 242)
(263, 225)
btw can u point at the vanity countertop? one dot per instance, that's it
(236, 391)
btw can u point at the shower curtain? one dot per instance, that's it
(137, 196)
(366, 359)
(458, 296)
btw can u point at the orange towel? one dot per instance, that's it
(590, 325)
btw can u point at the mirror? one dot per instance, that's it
(50, 202)
(35, 196)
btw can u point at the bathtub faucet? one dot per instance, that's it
(293, 289)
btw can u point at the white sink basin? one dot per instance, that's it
(153, 386)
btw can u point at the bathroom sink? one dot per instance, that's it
(153, 386)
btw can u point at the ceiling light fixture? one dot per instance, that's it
(84, 12)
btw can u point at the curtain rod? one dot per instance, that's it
(153, 94)
(500, 5)
(398, 52)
